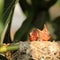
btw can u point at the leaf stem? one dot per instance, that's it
(5, 48)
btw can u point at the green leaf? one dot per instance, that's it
(1, 8)
(8, 6)
(11, 47)
(22, 33)
(7, 17)
(1, 17)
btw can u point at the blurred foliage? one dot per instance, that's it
(1, 15)
(56, 25)
(40, 16)
(3, 57)
(37, 12)
(25, 28)
(7, 9)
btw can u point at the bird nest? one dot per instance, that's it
(38, 50)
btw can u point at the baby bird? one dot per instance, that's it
(37, 34)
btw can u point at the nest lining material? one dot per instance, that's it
(38, 50)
